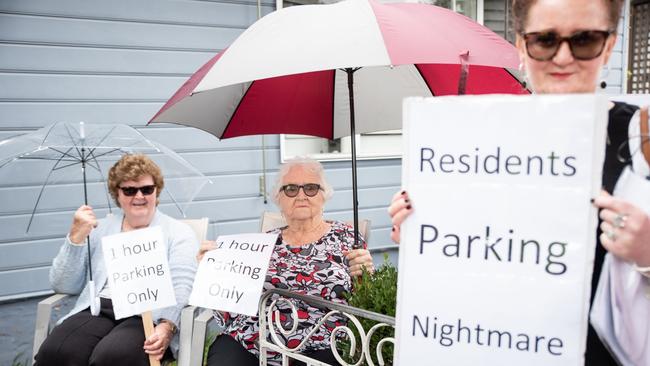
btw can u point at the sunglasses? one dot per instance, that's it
(584, 45)
(132, 191)
(291, 190)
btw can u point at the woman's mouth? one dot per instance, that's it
(561, 75)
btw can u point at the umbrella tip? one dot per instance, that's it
(82, 132)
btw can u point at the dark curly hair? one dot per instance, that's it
(520, 9)
(134, 167)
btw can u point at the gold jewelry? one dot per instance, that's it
(171, 325)
(315, 228)
(304, 236)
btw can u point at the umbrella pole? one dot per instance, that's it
(355, 202)
(83, 172)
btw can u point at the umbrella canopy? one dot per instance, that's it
(287, 72)
(341, 69)
(44, 165)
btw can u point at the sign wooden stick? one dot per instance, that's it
(147, 323)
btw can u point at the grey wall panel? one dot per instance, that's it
(188, 138)
(30, 114)
(29, 253)
(89, 60)
(24, 281)
(224, 14)
(47, 87)
(114, 34)
(495, 15)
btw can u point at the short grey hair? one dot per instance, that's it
(307, 164)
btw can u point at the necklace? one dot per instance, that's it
(298, 237)
(315, 228)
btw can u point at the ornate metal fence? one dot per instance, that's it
(272, 330)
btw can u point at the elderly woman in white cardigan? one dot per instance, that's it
(135, 182)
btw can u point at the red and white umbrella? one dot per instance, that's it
(340, 69)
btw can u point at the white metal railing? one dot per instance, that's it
(271, 331)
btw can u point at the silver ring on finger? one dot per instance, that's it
(619, 220)
(611, 235)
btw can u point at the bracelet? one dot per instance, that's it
(172, 326)
(644, 271)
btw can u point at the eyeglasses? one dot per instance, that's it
(132, 191)
(584, 45)
(291, 190)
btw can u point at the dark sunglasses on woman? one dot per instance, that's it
(291, 190)
(584, 45)
(132, 191)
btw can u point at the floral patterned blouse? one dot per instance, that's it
(317, 269)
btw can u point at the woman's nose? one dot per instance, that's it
(563, 54)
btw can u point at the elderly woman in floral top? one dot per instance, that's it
(312, 256)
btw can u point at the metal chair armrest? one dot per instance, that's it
(198, 336)
(185, 337)
(43, 315)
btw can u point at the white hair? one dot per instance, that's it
(307, 164)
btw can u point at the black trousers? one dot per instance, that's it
(84, 339)
(226, 351)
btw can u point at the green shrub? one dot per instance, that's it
(375, 292)
(209, 338)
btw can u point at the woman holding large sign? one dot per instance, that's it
(135, 182)
(312, 256)
(563, 45)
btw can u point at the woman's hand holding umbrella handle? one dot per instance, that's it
(206, 246)
(359, 259)
(400, 208)
(83, 223)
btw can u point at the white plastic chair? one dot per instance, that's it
(44, 308)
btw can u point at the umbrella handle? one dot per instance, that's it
(94, 299)
(82, 133)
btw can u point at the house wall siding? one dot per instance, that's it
(118, 62)
(495, 16)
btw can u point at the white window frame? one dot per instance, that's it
(344, 156)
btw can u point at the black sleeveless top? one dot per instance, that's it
(617, 134)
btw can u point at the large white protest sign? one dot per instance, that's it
(138, 271)
(496, 260)
(230, 277)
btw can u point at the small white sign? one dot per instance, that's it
(138, 271)
(230, 277)
(496, 260)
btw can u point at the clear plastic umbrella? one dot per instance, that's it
(44, 169)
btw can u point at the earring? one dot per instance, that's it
(522, 75)
(603, 78)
